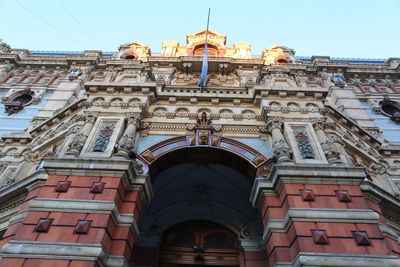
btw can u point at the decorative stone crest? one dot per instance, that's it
(102, 140)
(303, 142)
(74, 73)
(203, 123)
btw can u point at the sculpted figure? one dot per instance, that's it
(325, 77)
(78, 142)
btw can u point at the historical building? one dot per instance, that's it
(120, 159)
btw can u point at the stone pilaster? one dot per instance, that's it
(331, 154)
(280, 148)
(79, 139)
(126, 143)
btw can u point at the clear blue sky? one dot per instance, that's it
(351, 28)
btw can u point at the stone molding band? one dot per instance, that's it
(310, 259)
(123, 169)
(61, 250)
(319, 215)
(287, 173)
(85, 206)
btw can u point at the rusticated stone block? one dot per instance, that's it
(320, 237)
(343, 196)
(62, 186)
(307, 195)
(43, 225)
(361, 238)
(97, 188)
(82, 227)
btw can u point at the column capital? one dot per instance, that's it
(135, 119)
(273, 123)
(319, 124)
(90, 118)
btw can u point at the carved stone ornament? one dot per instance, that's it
(4, 47)
(5, 68)
(319, 124)
(126, 144)
(136, 120)
(280, 148)
(203, 123)
(338, 80)
(303, 143)
(273, 124)
(102, 140)
(77, 143)
(329, 151)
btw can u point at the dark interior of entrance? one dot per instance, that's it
(200, 214)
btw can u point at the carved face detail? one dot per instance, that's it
(203, 138)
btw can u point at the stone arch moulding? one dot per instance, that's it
(261, 163)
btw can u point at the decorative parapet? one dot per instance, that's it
(134, 50)
(278, 55)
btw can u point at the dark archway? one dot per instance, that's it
(200, 182)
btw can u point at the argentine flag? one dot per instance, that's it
(204, 68)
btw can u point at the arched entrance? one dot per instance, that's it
(200, 178)
(200, 184)
(199, 243)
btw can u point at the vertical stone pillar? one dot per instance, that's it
(77, 143)
(331, 154)
(126, 143)
(280, 148)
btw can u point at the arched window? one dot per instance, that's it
(391, 109)
(212, 50)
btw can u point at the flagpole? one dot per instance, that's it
(208, 23)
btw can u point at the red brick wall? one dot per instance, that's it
(117, 240)
(298, 238)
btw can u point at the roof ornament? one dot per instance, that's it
(4, 47)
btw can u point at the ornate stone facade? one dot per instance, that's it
(279, 161)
